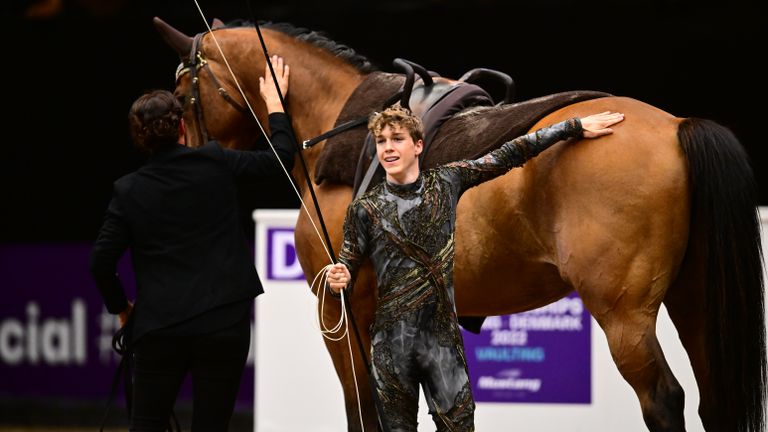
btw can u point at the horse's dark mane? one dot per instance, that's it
(316, 38)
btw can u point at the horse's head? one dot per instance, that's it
(324, 74)
(209, 85)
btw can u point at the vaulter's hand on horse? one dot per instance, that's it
(338, 277)
(597, 125)
(267, 84)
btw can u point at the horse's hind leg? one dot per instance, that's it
(622, 284)
(630, 327)
(638, 355)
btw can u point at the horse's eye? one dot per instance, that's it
(182, 100)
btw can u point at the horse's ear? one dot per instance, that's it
(176, 39)
(217, 23)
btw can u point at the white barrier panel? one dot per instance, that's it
(297, 388)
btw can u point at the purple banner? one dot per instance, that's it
(540, 356)
(55, 334)
(282, 262)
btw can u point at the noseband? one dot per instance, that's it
(193, 65)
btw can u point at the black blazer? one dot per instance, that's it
(179, 216)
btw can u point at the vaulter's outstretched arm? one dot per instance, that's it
(516, 152)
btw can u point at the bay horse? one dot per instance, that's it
(661, 211)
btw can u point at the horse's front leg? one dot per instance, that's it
(352, 366)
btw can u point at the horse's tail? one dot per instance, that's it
(723, 209)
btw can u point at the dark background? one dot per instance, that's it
(72, 68)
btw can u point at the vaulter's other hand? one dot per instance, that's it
(597, 125)
(338, 277)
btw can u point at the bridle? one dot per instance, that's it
(193, 65)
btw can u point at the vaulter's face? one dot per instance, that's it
(398, 154)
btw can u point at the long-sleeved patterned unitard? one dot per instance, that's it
(408, 233)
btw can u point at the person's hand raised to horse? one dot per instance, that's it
(597, 125)
(267, 84)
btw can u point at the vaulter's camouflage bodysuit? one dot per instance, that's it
(408, 232)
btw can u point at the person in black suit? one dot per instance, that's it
(194, 272)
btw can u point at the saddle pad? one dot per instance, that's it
(475, 132)
(467, 135)
(338, 161)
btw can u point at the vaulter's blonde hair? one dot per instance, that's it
(396, 116)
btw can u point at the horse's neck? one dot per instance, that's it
(320, 85)
(319, 89)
